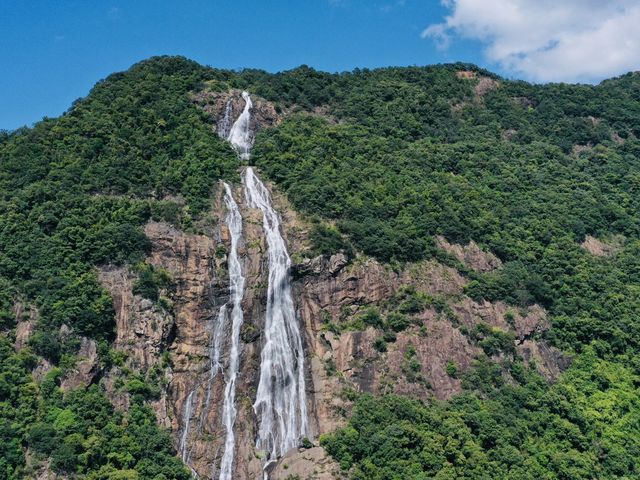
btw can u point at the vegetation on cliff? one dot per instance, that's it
(396, 156)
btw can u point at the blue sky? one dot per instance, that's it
(52, 52)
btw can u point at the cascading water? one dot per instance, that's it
(236, 287)
(281, 400)
(214, 352)
(186, 419)
(225, 125)
(240, 134)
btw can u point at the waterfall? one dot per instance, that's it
(225, 124)
(186, 420)
(281, 400)
(236, 287)
(214, 352)
(240, 133)
(280, 403)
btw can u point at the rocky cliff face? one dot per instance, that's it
(327, 290)
(348, 359)
(170, 342)
(178, 342)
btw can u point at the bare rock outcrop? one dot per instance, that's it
(26, 317)
(470, 255)
(327, 289)
(603, 248)
(86, 368)
(419, 362)
(485, 85)
(179, 341)
(308, 464)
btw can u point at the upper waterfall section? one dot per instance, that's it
(240, 136)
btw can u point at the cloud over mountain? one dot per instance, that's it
(547, 40)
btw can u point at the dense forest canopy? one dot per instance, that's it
(393, 157)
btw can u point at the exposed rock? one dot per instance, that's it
(86, 368)
(524, 102)
(458, 107)
(509, 134)
(350, 360)
(471, 255)
(42, 368)
(326, 288)
(142, 328)
(576, 150)
(146, 332)
(593, 120)
(26, 317)
(331, 264)
(617, 139)
(440, 344)
(601, 247)
(466, 74)
(308, 464)
(485, 85)
(549, 361)
(524, 323)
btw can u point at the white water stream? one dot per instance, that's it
(236, 287)
(240, 134)
(186, 420)
(281, 400)
(224, 126)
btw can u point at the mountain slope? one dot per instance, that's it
(376, 164)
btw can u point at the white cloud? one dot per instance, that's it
(548, 40)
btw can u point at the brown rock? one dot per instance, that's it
(466, 74)
(603, 248)
(470, 255)
(485, 85)
(307, 464)
(86, 368)
(26, 318)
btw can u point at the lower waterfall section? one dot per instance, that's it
(236, 287)
(280, 403)
(214, 351)
(186, 420)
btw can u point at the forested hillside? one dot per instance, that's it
(384, 161)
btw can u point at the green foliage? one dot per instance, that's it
(74, 191)
(452, 369)
(74, 194)
(402, 165)
(397, 321)
(327, 240)
(380, 345)
(493, 340)
(586, 426)
(372, 318)
(80, 432)
(404, 154)
(150, 280)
